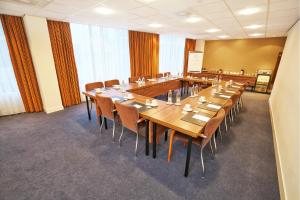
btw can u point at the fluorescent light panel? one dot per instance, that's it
(248, 11)
(256, 34)
(213, 30)
(193, 19)
(253, 26)
(223, 36)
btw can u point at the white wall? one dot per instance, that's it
(284, 107)
(40, 48)
(200, 45)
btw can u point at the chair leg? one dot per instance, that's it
(202, 163)
(121, 135)
(220, 133)
(211, 149)
(215, 144)
(136, 144)
(113, 133)
(102, 122)
(225, 120)
(171, 145)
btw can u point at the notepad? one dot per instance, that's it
(201, 117)
(137, 106)
(234, 86)
(229, 91)
(213, 106)
(224, 96)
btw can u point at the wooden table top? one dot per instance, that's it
(164, 114)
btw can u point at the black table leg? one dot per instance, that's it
(188, 156)
(147, 138)
(166, 135)
(154, 140)
(105, 123)
(88, 107)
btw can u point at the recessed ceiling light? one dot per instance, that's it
(253, 26)
(223, 36)
(104, 11)
(193, 19)
(155, 25)
(212, 30)
(256, 34)
(248, 11)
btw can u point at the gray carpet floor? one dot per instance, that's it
(62, 156)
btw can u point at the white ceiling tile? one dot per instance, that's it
(144, 11)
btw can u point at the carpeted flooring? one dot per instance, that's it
(62, 156)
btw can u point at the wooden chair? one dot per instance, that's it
(227, 108)
(167, 73)
(92, 86)
(130, 119)
(159, 75)
(110, 83)
(106, 106)
(207, 134)
(235, 98)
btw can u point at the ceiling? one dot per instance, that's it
(273, 17)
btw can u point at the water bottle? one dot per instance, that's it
(143, 80)
(123, 86)
(170, 97)
(192, 91)
(178, 98)
(196, 90)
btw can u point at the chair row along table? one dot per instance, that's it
(165, 114)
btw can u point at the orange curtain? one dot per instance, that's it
(144, 53)
(22, 62)
(190, 45)
(63, 54)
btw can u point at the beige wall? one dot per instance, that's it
(41, 51)
(284, 106)
(247, 54)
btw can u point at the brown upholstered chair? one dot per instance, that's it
(110, 83)
(207, 134)
(106, 106)
(159, 75)
(92, 86)
(167, 73)
(235, 98)
(130, 119)
(227, 107)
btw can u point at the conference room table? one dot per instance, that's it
(168, 115)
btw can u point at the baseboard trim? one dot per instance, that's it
(53, 109)
(277, 158)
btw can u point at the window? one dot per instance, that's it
(171, 54)
(100, 53)
(10, 99)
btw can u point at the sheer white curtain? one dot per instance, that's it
(10, 98)
(100, 53)
(171, 54)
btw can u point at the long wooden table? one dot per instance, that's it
(169, 116)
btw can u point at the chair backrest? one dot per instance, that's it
(129, 116)
(94, 85)
(159, 75)
(106, 106)
(212, 126)
(110, 83)
(167, 73)
(227, 106)
(235, 97)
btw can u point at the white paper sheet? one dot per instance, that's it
(229, 91)
(137, 106)
(234, 86)
(115, 99)
(224, 96)
(213, 106)
(201, 117)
